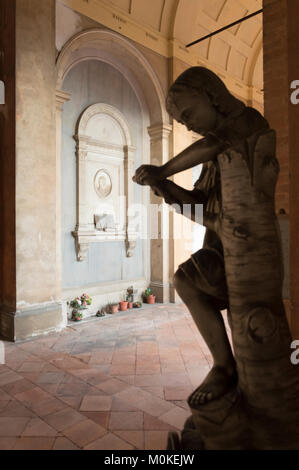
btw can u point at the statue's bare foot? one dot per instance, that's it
(216, 384)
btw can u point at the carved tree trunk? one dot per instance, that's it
(263, 412)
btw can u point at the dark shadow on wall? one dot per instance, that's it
(7, 159)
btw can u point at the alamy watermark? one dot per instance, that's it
(295, 94)
(295, 355)
(2, 92)
(2, 353)
(150, 222)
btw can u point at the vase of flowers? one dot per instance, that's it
(78, 304)
(77, 315)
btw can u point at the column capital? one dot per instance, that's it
(61, 98)
(160, 131)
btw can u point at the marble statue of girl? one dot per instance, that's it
(200, 100)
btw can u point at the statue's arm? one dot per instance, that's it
(199, 152)
(178, 196)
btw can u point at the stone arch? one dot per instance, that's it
(112, 112)
(254, 63)
(114, 49)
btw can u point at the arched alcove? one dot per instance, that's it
(116, 50)
(110, 48)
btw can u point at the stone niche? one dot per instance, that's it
(105, 158)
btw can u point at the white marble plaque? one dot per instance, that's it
(105, 157)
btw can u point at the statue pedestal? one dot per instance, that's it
(218, 425)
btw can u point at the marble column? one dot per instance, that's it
(131, 236)
(61, 98)
(160, 245)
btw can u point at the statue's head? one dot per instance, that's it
(200, 100)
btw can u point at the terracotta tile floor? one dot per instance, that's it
(118, 382)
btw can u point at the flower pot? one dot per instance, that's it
(113, 309)
(123, 306)
(130, 304)
(77, 316)
(151, 299)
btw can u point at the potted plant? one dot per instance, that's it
(78, 304)
(123, 305)
(86, 300)
(77, 315)
(149, 296)
(130, 296)
(137, 304)
(100, 313)
(112, 307)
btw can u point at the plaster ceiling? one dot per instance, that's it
(238, 50)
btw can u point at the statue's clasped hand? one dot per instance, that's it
(151, 175)
(147, 175)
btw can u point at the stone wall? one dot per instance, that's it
(281, 67)
(276, 89)
(88, 83)
(36, 310)
(35, 152)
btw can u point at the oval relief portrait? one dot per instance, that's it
(102, 183)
